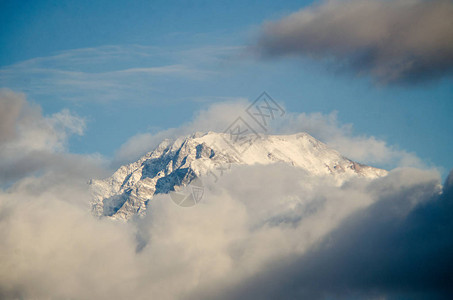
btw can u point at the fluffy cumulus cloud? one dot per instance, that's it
(260, 232)
(325, 127)
(362, 148)
(216, 117)
(31, 142)
(402, 41)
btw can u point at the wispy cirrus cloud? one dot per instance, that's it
(400, 41)
(111, 72)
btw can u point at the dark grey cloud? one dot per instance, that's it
(400, 41)
(394, 249)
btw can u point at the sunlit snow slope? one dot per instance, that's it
(177, 163)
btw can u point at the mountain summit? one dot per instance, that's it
(175, 164)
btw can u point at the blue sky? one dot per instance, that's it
(131, 67)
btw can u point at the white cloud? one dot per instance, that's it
(362, 148)
(325, 127)
(31, 142)
(25, 129)
(217, 117)
(252, 221)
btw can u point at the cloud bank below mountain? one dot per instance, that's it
(260, 232)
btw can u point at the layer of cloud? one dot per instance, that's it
(394, 41)
(262, 232)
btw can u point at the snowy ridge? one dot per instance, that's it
(176, 163)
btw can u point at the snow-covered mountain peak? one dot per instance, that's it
(174, 164)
